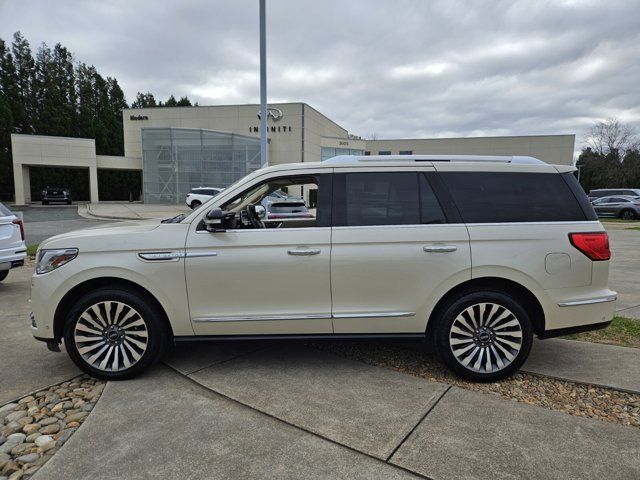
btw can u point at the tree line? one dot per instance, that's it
(610, 157)
(53, 94)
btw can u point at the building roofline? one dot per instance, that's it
(470, 138)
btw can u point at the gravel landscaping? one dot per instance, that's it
(569, 397)
(33, 428)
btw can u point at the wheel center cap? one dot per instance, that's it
(484, 337)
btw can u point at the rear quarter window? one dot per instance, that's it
(493, 197)
(4, 211)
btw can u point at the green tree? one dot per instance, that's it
(25, 73)
(184, 102)
(144, 100)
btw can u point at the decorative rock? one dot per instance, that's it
(31, 470)
(32, 437)
(25, 420)
(87, 407)
(32, 411)
(9, 468)
(43, 440)
(60, 415)
(16, 475)
(58, 407)
(29, 458)
(7, 408)
(22, 448)
(12, 441)
(15, 416)
(11, 428)
(50, 429)
(26, 400)
(31, 428)
(65, 434)
(76, 416)
(73, 425)
(48, 421)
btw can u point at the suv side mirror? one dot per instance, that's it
(214, 220)
(261, 212)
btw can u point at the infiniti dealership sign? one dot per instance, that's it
(273, 113)
(276, 115)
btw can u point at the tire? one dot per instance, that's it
(627, 215)
(3, 274)
(195, 204)
(466, 333)
(68, 202)
(45, 202)
(88, 330)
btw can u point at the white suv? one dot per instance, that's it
(199, 195)
(475, 254)
(13, 250)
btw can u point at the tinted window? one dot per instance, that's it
(430, 209)
(379, 199)
(385, 198)
(489, 197)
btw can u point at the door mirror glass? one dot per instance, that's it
(261, 212)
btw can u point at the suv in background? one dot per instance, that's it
(473, 254)
(199, 195)
(607, 192)
(13, 250)
(53, 195)
(624, 207)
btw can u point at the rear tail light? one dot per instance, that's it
(18, 222)
(594, 245)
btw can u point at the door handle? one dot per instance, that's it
(303, 251)
(440, 248)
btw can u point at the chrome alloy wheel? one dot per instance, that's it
(485, 337)
(111, 336)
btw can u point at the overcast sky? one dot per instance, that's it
(396, 68)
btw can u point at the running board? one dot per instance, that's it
(313, 336)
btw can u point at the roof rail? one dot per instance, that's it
(345, 159)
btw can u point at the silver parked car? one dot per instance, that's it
(622, 206)
(13, 250)
(610, 192)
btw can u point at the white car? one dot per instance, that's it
(474, 254)
(199, 195)
(13, 250)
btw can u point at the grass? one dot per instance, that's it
(615, 220)
(623, 331)
(632, 228)
(31, 250)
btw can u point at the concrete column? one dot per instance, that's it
(93, 184)
(22, 184)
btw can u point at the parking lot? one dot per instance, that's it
(274, 410)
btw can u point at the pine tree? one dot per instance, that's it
(23, 114)
(144, 100)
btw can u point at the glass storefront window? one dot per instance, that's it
(328, 152)
(175, 160)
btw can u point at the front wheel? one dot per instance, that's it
(627, 215)
(484, 336)
(195, 204)
(115, 334)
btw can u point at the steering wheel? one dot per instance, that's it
(253, 217)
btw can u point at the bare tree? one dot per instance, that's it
(612, 136)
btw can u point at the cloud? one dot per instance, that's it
(407, 68)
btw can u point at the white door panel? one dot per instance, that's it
(265, 281)
(381, 276)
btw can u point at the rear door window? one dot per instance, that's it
(384, 198)
(493, 197)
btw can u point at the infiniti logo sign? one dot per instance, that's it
(274, 113)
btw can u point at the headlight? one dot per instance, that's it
(49, 260)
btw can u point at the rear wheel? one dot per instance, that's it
(3, 274)
(195, 204)
(627, 215)
(115, 334)
(484, 336)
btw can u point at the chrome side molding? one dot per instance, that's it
(588, 301)
(316, 316)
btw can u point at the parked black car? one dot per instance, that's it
(52, 195)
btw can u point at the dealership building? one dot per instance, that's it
(178, 148)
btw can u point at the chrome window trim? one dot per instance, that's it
(589, 301)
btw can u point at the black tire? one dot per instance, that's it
(45, 202)
(628, 215)
(467, 309)
(3, 274)
(195, 204)
(135, 307)
(68, 202)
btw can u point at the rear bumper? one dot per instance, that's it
(559, 332)
(12, 257)
(579, 313)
